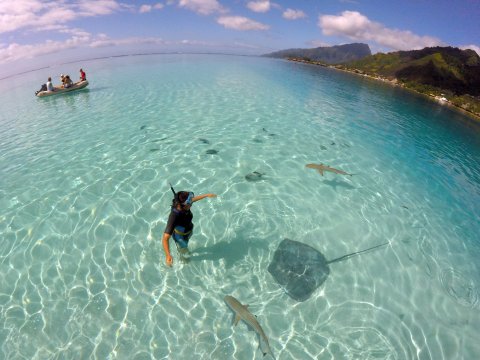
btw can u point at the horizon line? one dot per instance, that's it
(126, 55)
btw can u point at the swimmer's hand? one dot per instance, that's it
(169, 260)
(211, 195)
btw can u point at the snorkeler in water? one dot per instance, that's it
(179, 225)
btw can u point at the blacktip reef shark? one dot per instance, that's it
(321, 168)
(242, 313)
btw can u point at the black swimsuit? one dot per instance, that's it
(180, 226)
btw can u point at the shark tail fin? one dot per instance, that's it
(265, 348)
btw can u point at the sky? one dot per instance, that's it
(38, 33)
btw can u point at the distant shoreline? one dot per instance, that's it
(440, 101)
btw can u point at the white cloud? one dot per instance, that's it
(97, 7)
(42, 14)
(233, 45)
(21, 6)
(318, 43)
(260, 6)
(203, 7)
(471, 47)
(291, 14)
(358, 27)
(76, 32)
(14, 51)
(105, 41)
(241, 23)
(147, 8)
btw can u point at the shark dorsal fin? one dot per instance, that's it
(344, 257)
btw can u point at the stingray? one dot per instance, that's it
(254, 176)
(300, 269)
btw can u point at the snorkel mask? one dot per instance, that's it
(188, 201)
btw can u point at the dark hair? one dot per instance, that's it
(180, 198)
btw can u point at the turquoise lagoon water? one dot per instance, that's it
(84, 199)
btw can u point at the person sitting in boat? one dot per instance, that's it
(83, 76)
(67, 82)
(42, 88)
(50, 85)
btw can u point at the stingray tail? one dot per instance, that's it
(344, 257)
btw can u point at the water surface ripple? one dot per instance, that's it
(84, 199)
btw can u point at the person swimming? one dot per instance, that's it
(179, 224)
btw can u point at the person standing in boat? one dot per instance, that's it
(83, 76)
(179, 225)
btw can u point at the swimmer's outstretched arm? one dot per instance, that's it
(200, 197)
(166, 248)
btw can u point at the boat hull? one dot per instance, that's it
(59, 90)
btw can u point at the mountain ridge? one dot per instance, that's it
(445, 68)
(329, 54)
(447, 74)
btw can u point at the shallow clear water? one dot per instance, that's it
(84, 199)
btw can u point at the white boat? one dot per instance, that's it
(60, 90)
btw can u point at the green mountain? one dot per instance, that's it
(330, 55)
(431, 69)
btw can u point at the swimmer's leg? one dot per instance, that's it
(183, 252)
